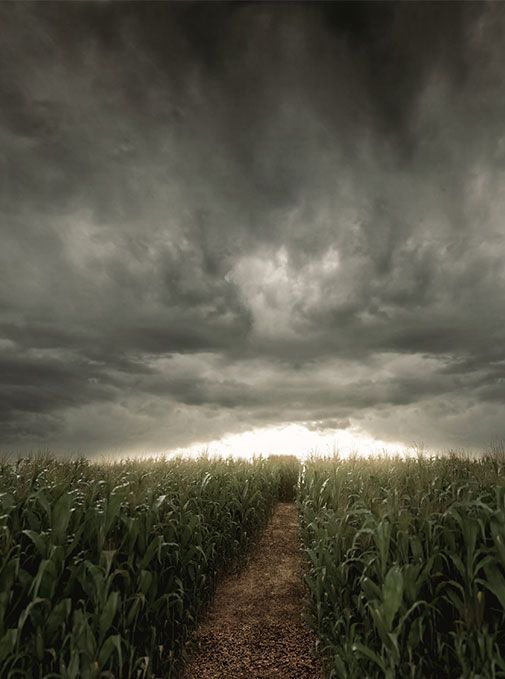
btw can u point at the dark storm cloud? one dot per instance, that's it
(219, 216)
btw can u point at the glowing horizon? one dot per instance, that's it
(289, 439)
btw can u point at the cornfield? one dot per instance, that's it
(104, 569)
(406, 565)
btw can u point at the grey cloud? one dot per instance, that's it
(297, 187)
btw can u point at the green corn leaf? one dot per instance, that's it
(8, 644)
(57, 617)
(113, 507)
(495, 583)
(392, 594)
(110, 645)
(369, 653)
(108, 613)
(370, 589)
(60, 517)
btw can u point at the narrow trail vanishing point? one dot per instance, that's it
(254, 627)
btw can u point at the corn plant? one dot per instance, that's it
(406, 565)
(105, 568)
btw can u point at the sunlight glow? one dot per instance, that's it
(293, 439)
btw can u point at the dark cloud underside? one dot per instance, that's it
(222, 216)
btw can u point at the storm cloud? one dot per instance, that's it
(217, 217)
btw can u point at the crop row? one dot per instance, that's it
(406, 566)
(105, 568)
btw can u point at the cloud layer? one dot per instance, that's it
(220, 217)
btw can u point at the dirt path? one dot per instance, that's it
(254, 626)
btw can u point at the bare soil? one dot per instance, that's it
(254, 627)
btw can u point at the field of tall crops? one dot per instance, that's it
(104, 569)
(406, 565)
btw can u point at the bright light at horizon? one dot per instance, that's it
(293, 439)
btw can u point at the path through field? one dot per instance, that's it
(254, 626)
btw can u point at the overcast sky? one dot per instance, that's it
(218, 218)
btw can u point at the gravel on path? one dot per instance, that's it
(254, 627)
